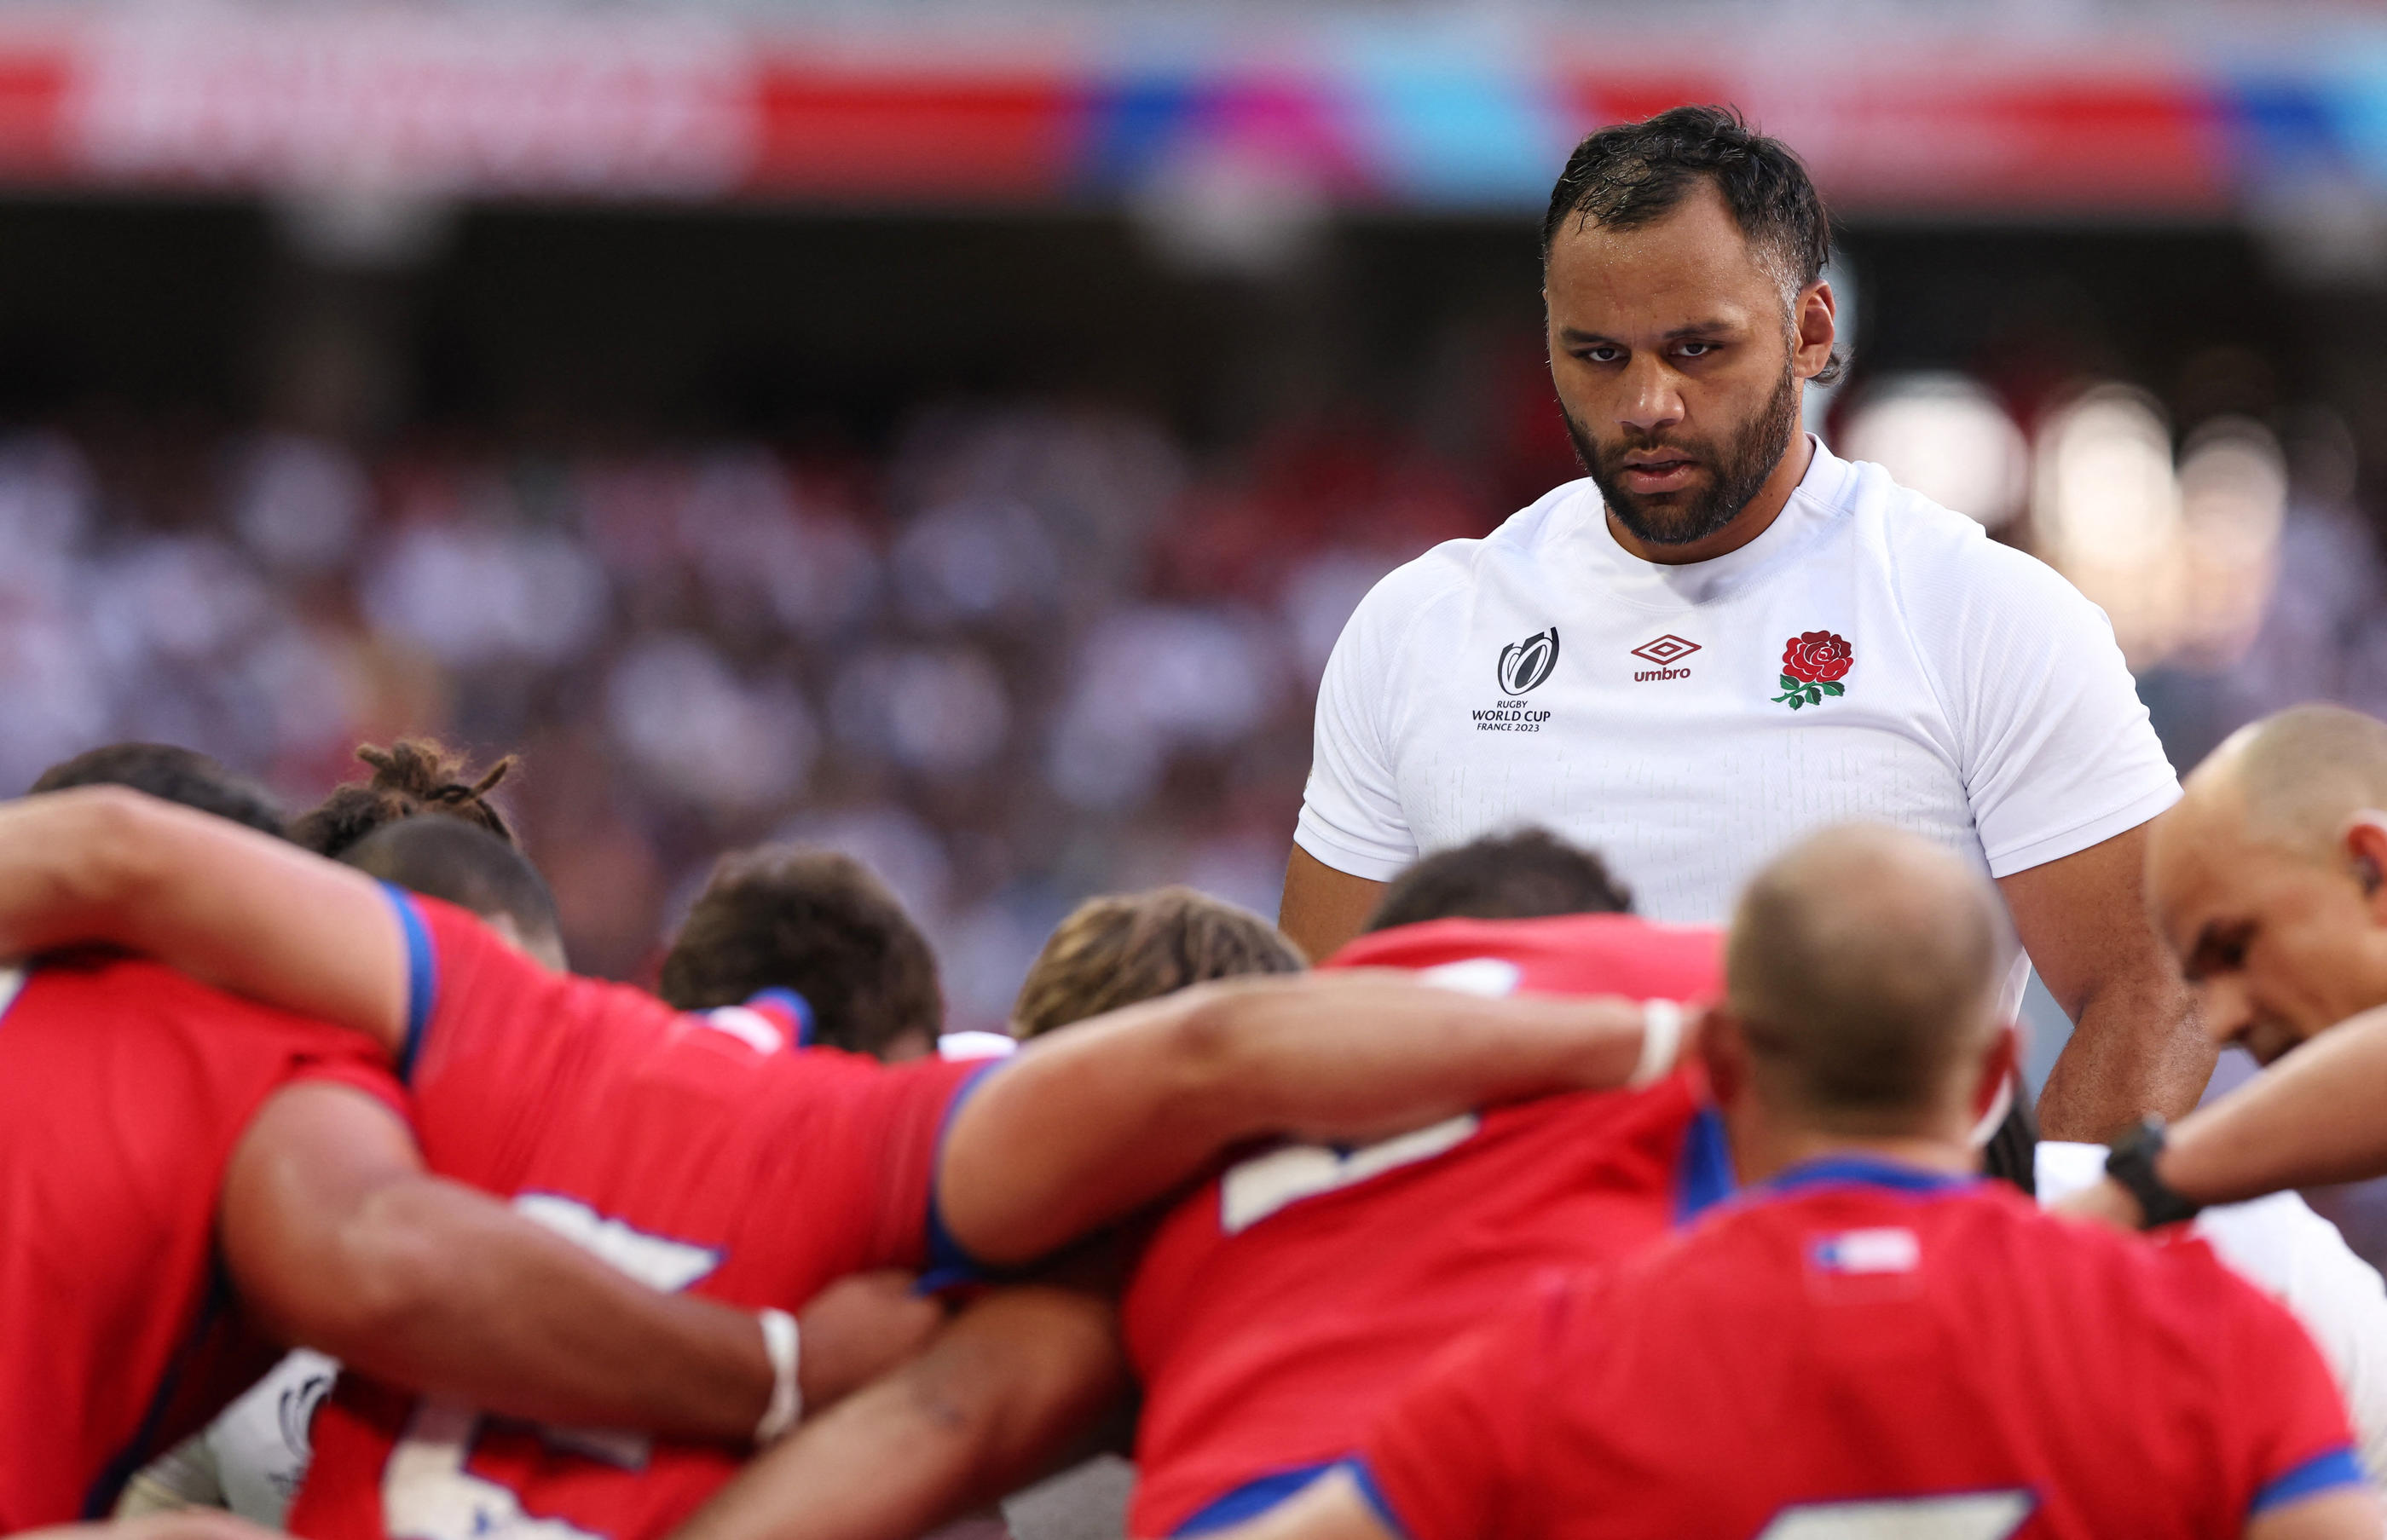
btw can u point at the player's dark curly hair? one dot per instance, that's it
(173, 773)
(787, 917)
(460, 862)
(413, 775)
(1634, 174)
(1528, 874)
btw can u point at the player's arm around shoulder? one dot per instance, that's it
(224, 903)
(337, 1239)
(1086, 1126)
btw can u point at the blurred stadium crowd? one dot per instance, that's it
(1029, 652)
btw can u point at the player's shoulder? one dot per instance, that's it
(1946, 564)
(2274, 1241)
(1561, 954)
(474, 997)
(75, 983)
(2175, 1276)
(1446, 574)
(831, 1079)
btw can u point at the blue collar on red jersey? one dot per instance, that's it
(1864, 1172)
(794, 1008)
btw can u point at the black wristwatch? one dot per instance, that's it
(2131, 1162)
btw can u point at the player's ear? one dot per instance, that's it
(1815, 328)
(2366, 849)
(1994, 1083)
(1724, 1054)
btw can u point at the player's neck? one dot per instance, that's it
(1754, 518)
(1760, 1154)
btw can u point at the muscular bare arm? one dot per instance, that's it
(1088, 1124)
(239, 909)
(2310, 1119)
(1005, 1394)
(1323, 908)
(338, 1240)
(2135, 1047)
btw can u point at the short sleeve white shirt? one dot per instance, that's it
(1544, 674)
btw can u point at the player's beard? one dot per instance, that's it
(1736, 472)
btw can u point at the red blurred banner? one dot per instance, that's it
(677, 108)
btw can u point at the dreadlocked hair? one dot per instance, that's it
(412, 776)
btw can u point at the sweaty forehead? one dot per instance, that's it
(2204, 866)
(1692, 265)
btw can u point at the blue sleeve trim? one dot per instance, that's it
(421, 976)
(2321, 1474)
(1250, 1500)
(950, 1263)
(1373, 1495)
(796, 1006)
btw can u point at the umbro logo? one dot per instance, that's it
(1665, 649)
(1665, 652)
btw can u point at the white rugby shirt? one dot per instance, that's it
(1544, 674)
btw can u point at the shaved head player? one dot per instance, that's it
(1727, 636)
(2269, 880)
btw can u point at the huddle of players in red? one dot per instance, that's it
(1509, 1145)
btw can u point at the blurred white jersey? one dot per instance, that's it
(1871, 656)
(251, 1459)
(976, 1045)
(2283, 1248)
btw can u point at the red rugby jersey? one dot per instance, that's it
(124, 1089)
(1863, 1348)
(700, 1152)
(1278, 1307)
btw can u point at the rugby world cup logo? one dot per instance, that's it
(1526, 663)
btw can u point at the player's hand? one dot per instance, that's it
(857, 1328)
(2108, 1202)
(181, 1523)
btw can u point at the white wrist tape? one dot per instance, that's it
(781, 1343)
(1662, 1039)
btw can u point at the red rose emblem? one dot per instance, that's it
(1815, 656)
(1812, 663)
